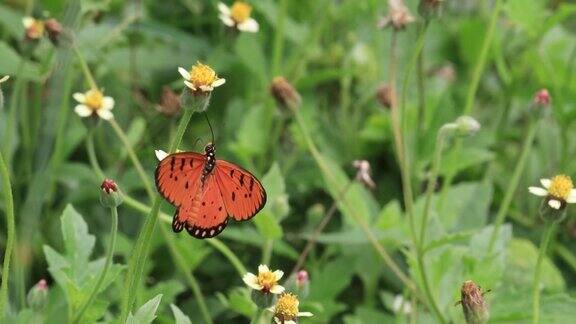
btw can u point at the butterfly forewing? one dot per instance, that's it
(243, 194)
(178, 176)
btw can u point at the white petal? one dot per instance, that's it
(83, 110)
(305, 314)
(545, 183)
(277, 321)
(160, 155)
(184, 73)
(572, 197)
(278, 274)
(271, 309)
(218, 83)
(250, 25)
(223, 9)
(80, 97)
(226, 20)
(263, 268)
(250, 278)
(538, 191)
(277, 289)
(206, 88)
(27, 22)
(554, 203)
(4, 78)
(190, 85)
(289, 322)
(108, 103)
(105, 114)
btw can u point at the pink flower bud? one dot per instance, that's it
(108, 186)
(542, 98)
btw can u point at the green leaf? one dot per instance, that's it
(522, 256)
(145, 314)
(240, 302)
(11, 61)
(179, 316)
(277, 208)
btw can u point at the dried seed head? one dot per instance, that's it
(54, 29)
(364, 173)
(473, 304)
(285, 94)
(169, 102)
(385, 95)
(398, 16)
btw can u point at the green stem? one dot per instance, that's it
(9, 204)
(482, 58)
(566, 255)
(92, 155)
(120, 133)
(138, 260)
(516, 175)
(278, 48)
(181, 264)
(85, 69)
(216, 243)
(267, 251)
(257, 316)
(432, 181)
(548, 233)
(107, 264)
(331, 182)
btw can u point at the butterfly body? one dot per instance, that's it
(207, 192)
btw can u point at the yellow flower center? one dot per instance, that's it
(240, 11)
(94, 99)
(36, 29)
(202, 75)
(287, 307)
(267, 280)
(560, 187)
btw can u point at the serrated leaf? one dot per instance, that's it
(146, 313)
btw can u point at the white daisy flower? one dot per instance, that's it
(238, 16)
(558, 191)
(34, 28)
(201, 78)
(94, 103)
(286, 309)
(400, 305)
(266, 281)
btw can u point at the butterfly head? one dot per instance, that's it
(210, 149)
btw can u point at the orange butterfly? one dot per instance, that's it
(207, 191)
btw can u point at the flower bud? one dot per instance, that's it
(467, 126)
(37, 297)
(363, 173)
(430, 8)
(398, 17)
(552, 210)
(3, 79)
(542, 98)
(197, 101)
(54, 29)
(385, 96)
(169, 102)
(473, 304)
(110, 196)
(285, 94)
(262, 300)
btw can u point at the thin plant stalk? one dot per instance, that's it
(373, 240)
(107, 264)
(432, 182)
(92, 155)
(257, 316)
(516, 175)
(549, 230)
(267, 251)
(192, 282)
(318, 230)
(85, 69)
(138, 260)
(11, 232)
(124, 138)
(214, 242)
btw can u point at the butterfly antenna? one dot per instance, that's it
(209, 125)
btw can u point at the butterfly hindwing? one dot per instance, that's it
(243, 195)
(205, 215)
